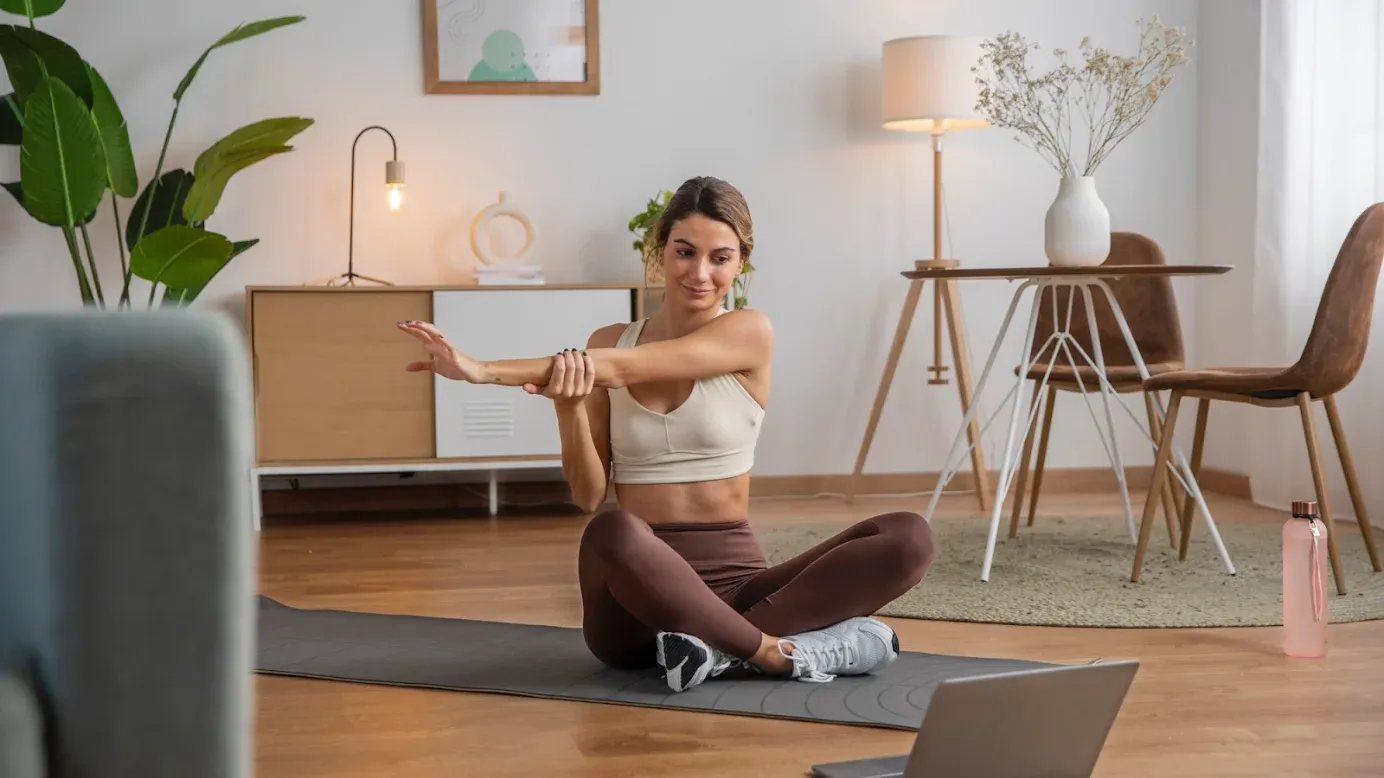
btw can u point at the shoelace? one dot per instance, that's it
(807, 660)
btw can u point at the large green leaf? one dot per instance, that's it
(34, 9)
(168, 195)
(30, 55)
(180, 257)
(11, 121)
(14, 189)
(176, 297)
(263, 134)
(211, 184)
(115, 138)
(61, 166)
(242, 246)
(238, 34)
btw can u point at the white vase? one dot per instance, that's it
(1077, 226)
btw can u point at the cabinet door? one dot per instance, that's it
(494, 421)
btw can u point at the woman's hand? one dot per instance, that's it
(444, 359)
(573, 378)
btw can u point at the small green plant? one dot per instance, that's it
(642, 221)
(74, 147)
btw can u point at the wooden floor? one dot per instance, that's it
(1206, 702)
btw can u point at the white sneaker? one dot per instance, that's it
(857, 646)
(688, 660)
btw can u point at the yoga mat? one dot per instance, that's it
(553, 662)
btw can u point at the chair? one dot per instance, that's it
(1330, 360)
(1150, 310)
(126, 547)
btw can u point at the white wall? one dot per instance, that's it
(777, 96)
(1227, 161)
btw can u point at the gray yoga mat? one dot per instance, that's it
(553, 662)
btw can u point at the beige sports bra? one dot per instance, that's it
(709, 437)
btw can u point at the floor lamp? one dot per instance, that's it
(394, 198)
(928, 86)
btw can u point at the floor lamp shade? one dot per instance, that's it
(928, 85)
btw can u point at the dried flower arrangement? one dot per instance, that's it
(1113, 94)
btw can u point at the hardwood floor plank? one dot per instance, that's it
(1207, 702)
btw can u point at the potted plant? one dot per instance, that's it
(639, 226)
(1112, 95)
(75, 148)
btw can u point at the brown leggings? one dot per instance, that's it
(712, 581)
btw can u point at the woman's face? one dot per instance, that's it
(700, 261)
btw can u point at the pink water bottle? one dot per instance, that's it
(1304, 582)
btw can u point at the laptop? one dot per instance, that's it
(1049, 722)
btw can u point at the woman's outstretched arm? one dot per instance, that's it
(734, 342)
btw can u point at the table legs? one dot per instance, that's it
(1062, 339)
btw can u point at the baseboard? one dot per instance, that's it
(552, 495)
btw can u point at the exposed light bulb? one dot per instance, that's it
(394, 195)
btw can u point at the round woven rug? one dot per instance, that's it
(1074, 572)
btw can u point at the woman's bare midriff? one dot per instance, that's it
(703, 502)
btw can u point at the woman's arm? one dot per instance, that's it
(584, 429)
(735, 342)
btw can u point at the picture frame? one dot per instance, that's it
(511, 47)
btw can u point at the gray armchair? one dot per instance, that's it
(126, 550)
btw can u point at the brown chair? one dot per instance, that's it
(1150, 310)
(1330, 360)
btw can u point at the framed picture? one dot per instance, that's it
(511, 47)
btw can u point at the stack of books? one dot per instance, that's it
(509, 275)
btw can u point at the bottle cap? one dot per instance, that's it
(1305, 508)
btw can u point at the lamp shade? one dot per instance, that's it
(928, 85)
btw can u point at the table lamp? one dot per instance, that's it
(394, 198)
(928, 86)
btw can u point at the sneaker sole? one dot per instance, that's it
(679, 656)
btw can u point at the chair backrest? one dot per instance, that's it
(1335, 348)
(1148, 304)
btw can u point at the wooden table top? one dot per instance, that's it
(1049, 271)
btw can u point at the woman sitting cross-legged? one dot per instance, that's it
(668, 409)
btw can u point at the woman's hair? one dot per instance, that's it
(710, 197)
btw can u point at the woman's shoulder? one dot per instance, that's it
(746, 325)
(607, 336)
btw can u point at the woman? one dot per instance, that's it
(669, 409)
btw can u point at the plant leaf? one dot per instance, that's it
(263, 134)
(211, 184)
(34, 9)
(11, 121)
(61, 166)
(169, 194)
(30, 55)
(242, 246)
(172, 296)
(115, 137)
(240, 33)
(180, 257)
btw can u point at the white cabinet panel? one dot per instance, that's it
(489, 421)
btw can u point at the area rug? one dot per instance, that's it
(543, 661)
(1074, 572)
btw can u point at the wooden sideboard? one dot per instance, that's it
(331, 393)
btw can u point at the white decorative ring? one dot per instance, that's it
(500, 208)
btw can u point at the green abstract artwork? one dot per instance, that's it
(502, 59)
(511, 46)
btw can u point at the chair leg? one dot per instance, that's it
(1188, 514)
(1023, 474)
(1169, 499)
(1314, 456)
(1338, 432)
(1161, 464)
(1048, 407)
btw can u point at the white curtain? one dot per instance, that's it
(1321, 162)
